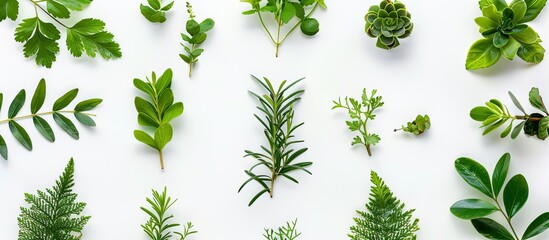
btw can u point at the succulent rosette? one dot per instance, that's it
(388, 22)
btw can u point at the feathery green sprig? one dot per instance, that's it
(286, 232)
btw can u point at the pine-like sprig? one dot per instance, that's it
(385, 217)
(286, 232)
(53, 214)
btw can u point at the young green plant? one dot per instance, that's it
(515, 195)
(287, 232)
(58, 112)
(155, 12)
(384, 217)
(157, 112)
(495, 114)
(360, 112)
(160, 224)
(388, 22)
(505, 33)
(41, 38)
(53, 213)
(284, 11)
(418, 126)
(277, 159)
(197, 35)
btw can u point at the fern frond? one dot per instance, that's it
(53, 214)
(385, 217)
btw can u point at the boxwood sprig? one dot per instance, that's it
(157, 111)
(58, 112)
(197, 35)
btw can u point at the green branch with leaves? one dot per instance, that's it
(80, 112)
(515, 194)
(360, 111)
(277, 159)
(286, 232)
(160, 223)
(157, 112)
(283, 12)
(385, 217)
(197, 35)
(53, 213)
(155, 12)
(495, 114)
(41, 38)
(418, 126)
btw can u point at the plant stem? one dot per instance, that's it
(298, 23)
(397, 129)
(191, 62)
(265, 27)
(161, 160)
(368, 150)
(41, 114)
(46, 12)
(506, 218)
(527, 117)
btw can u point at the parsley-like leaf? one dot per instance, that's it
(40, 39)
(57, 9)
(76, 5)
(9, 9)
(89, 36)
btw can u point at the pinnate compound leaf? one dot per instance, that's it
(17, 104)
(9, 9)
(482, 54)
(84, 119)
(163, 135)
(40, 40)
(474, 174)
(76, 5)
(3, 148)
(500, 173)
(491, 229)
(472, 208)
(65, 100)
(38, 97)
(89, 36)
(87, 105)
(66, 124)
(515, 195)
(20, 134)
(145, 138)
(534, 8)
(44, 128)
(538, 226)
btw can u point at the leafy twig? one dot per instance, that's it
(287, 232)
(418, 126)
(197, 32)
(155, 12)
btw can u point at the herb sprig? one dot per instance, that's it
(57, 112)
(279, 156)
(155, 12)
(360, 112)
(41, 38)
(286, 232)
(515, 195)
(495, 114)
(418, 126)
(197, 35)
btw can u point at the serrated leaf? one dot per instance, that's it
(500, 173)
(84, 119)
(87, 105)
(206, 25)
(40, 40)
(9, 9)
(20, 134)
(538, 226)
(66, 124)
(145, 138)
(472, 208)
(76, 5)
(57, 9)
(65, 100)
(16, 104)
(88, 36)
(163, 135)
(38, 97)
(44, 128)
(491, 229)
(515, 195)
(474, 174)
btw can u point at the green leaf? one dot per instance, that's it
(533, 9)
(67, 125)
(249, 12)
(480, 113)
(185, 58)
(167, 7)
(146, 108)
(482, 54)
(198, 38)
(543, 128)
(40, 40)
(299, 11)
(491, 229)
(44, 128)
(492, 12)
(206, 25)
(536, 101)
(154, 4)
(165, 100)
(197, 52)
(152, 15)
(528, 36)
(510, 50)
(9, 9)
(1, 100)
(20, 134)
(173, 112)
(532, 53)
(500, 173)
(486, 23)
(89, 36)
(65, 100)
(516, 102)
(519, 9)
(3, 148)
(84, 119)
(310, 26)
(144, 87)
(38, 97)
(507, 130)
(16, 104)
(539, 225)
(87, 105)
(517, 129)
(57, 9)
(515, 195)
(185, 37)
(77, 5)
(474, 174)
(288, 12)
(472, 208)
(164, 81)
(496, 125)
(163, 135)
(500, 40)
(499, 4)
(192, 27)
(145, 138)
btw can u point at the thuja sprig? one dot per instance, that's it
(286, 232)
(277, 159)
(284, 11)
(197, 35)
(418, 126)
(156, 112)
(57, 112)
(495, 114)
(505, 33)
(160, 224)
(360, 112)
(515, 195)
(155, 12)
(41, 38)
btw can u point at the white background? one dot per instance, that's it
(204, 164)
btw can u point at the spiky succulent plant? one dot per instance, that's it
(388, 22)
